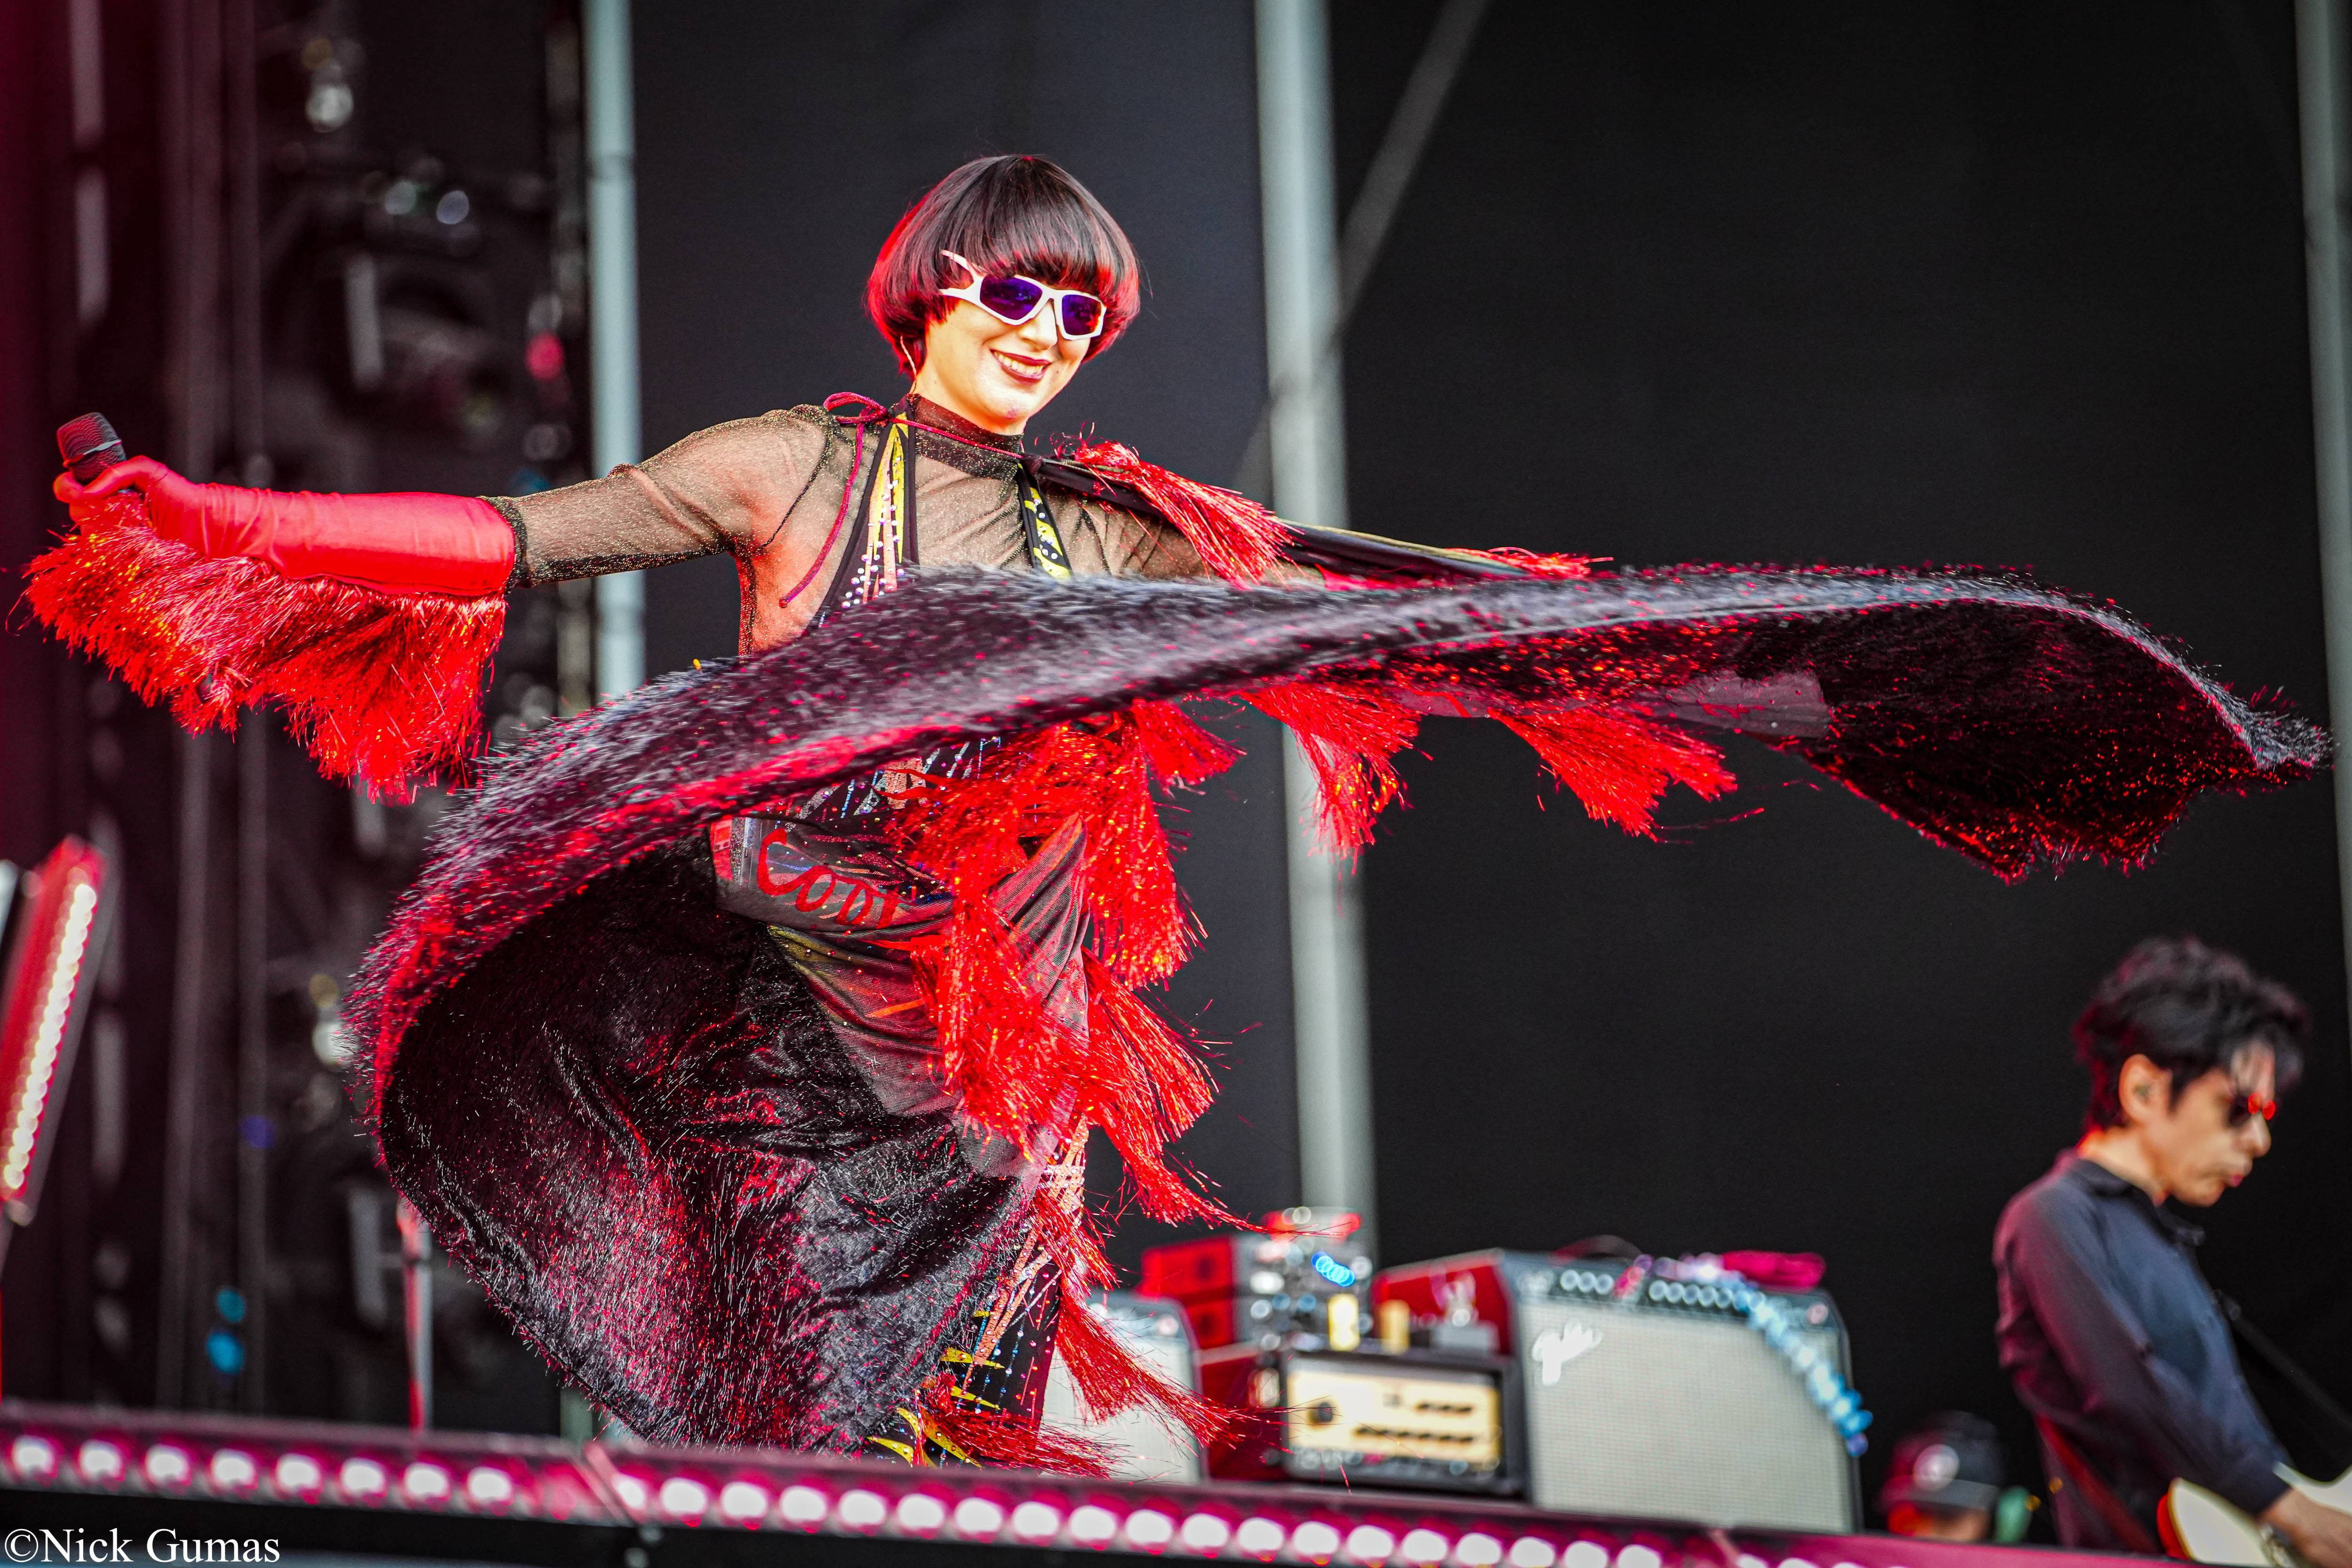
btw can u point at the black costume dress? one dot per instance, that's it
(742, 1035)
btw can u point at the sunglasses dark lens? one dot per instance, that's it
(1082, 315)
(1014, 298)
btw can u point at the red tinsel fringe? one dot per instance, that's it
(380, 687)
(993, 1437)
(1619, 765)
(1351, 735)
(1238, 539)
(1109, 1379)
(1535, 565)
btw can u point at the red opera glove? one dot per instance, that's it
(406, 543)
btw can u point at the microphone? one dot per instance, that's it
(90, 446)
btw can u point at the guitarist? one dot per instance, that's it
(2108, 1329)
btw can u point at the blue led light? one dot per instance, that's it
(1334, 1270)
(225, 1354)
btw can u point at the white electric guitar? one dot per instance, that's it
(2200, 1527)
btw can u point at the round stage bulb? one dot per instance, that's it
(1149, 1529)
(1205, 1533)
(1315, 1540)
(1259, 1537)
(741, 1500)
(978, 1518)
(1423, 1546)
(684, 1498)
(364, 1478)
(1034, 1520)
(300, 1474)
(34, 1457)
(920, 1513)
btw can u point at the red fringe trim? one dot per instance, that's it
(1619, 765)
(1237, 539)
(992, 1437)
(1351, 735)
(380, 687)
(1109, 1380)
(1535, 565)
(1011, 1061)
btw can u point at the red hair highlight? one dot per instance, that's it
(1015, 214)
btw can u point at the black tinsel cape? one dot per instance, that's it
(620, 1110)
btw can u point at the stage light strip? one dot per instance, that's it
(55, 980)
(112, 1453)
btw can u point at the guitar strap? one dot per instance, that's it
(2319, 1406)
(2129, 1530)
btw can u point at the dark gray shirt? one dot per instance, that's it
(2111, 1334)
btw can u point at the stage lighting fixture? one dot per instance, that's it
(56, 917)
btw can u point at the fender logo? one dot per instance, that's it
(1555, 1348)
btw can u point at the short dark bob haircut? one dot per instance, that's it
(1006, 214)
(2188, 1008)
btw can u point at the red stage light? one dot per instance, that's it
(1259, 1538)
(804, 1506)
(363, 1480)
(58, 933)
(979, 1518)
(299, 1475)
(743, 1502)
(34, 1458)
(684, 1498)
(100, 1462)
(1316, 1541)
(489, 1487)
(1034, 1521)
(1423, 1546)
(1149, 1529)
(232, 1471)
(167, 1467)
(1205, 1533)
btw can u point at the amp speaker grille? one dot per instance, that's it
(1668, 1416)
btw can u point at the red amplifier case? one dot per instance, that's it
(1467, 1289)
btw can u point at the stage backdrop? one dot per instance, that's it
(775, 153)
(1992, 284)
(1945, 283)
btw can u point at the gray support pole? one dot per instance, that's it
(1309, 462)
(612, 320)
(2320, 33)
(192, 202)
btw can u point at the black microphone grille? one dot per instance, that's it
(90, 446)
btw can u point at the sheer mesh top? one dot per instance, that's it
(769, 492)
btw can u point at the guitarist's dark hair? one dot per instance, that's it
(2188, 1008)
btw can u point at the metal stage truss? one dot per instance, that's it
(317, 1487)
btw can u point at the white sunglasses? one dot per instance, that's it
(1015, 299)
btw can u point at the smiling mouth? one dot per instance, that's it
(1028, 371)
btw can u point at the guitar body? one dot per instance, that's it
(2199, 1526)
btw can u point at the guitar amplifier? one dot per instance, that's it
(1148, 1451)
(1653, 1398)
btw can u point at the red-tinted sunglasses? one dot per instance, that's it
(2243, 1107)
